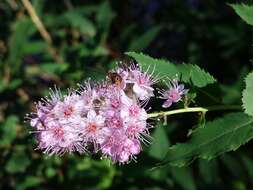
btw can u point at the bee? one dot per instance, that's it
(40, 122)
(115, 78)
(97, 103)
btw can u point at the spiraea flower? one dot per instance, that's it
(107, 117)
(173, 94)
(142, 83)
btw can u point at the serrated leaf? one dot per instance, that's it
(162, 67)
(219, 136)
(194, 74)
(189, 73)
(160, 143)
(244, 11)
(247, 95)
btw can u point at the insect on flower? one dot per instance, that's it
(107, 117)
(115, 78)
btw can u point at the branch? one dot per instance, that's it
(195, 109)
(42, 30)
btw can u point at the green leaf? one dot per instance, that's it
(145, 39)
(54, 68)
(162, 67)
(50, 172)
(8, 129)
(160, 143)
(184, 177)
(247, 95)
(104, 15)
(230, 162)
(194, 74)
(30, 181)
(219, 136)
(18, 162)
(34, 47)
(22, 29)
(244, 11)
(248, 163)
(208, 171)
(188, 72)
(80, 22)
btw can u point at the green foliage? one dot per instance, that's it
(244, 11)
(160, 143)
(89, 37)
(189, 73)
(30, 181)
(81, 23)
(195, 75)
(19, 41)
(145, 39)
(248, 95)
(219, 136)
(184, 177)
(8, 130)
(18, 162)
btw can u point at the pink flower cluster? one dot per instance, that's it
(107, 117)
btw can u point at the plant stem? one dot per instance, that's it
(195, 109)
(42, 30)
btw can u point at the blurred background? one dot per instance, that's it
(84, 39)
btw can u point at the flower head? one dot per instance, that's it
(142, 83)
(173, 94)
(108, 117)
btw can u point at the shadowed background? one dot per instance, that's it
(80, 39)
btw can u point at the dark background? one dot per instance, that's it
(88, 37)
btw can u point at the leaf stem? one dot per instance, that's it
(195, 109)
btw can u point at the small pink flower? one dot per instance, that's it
(69, 110)
(173, 94)
(120, 148)
(142, 83)
(114, 121)
(135, 129)
(131, 110)
(92, 128)
(58, 139)
(130, 148)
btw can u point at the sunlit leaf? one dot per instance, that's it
(187, 72)
(247, 95)
(244, 11)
